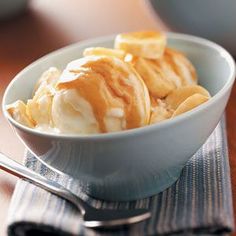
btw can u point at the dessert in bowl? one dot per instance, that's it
(131, 159)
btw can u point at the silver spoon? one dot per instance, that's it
(92, 217)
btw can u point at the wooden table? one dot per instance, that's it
(48, 25)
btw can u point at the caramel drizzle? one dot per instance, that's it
(169, 56)
(105, 85)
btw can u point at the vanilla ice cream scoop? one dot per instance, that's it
(98, 94)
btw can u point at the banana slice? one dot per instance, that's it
(182, 66)
(99, 51)
(154, 77)
(117, 95)
(147, 44)
(18, 112)
(190, 103)
(176, 97)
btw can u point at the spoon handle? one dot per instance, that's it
(17, 169)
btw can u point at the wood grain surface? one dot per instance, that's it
(49, 25)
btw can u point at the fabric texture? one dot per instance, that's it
(199, 203)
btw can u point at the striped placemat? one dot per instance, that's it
(200, 202)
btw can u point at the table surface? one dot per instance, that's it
(49, 25)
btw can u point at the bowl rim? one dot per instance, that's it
(131, 132)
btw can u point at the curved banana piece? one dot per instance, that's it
(147, 44)
(100, 51)
(177, 96)
(190, 103)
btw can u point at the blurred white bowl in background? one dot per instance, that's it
(211, 19)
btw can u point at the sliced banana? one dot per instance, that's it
(147, 44)
(18, 112)
(177, 96)
(190, 103)
(100, 51)
(182, 66)
(154, 77)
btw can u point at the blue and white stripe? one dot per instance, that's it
(200, 202)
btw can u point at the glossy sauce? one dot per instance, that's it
(107, 85)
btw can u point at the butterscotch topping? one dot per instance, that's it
(106, 84)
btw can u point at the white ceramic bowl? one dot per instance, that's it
(211, 19)
(135, 163)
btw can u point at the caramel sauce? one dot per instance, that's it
(106, 85)
(169, 56)
(157, 68)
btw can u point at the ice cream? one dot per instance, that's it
(36, 113)
(94, 94)
(139, 82)
(100, 94)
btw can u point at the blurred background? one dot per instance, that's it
(30, 29)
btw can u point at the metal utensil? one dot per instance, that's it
(92, 217)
